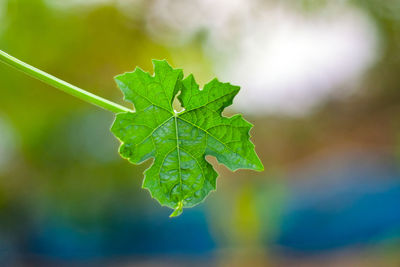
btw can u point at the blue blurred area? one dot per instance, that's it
(350, 200)
(122, 235)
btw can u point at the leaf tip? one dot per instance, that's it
(160, 63)
(178, 210)
(260, 168)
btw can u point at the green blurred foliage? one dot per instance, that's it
(67, 161)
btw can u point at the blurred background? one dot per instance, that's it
(320, 81)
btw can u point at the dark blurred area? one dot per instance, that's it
(320, 81)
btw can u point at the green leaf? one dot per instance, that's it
(180, 177)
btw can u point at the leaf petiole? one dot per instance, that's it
(62, 85)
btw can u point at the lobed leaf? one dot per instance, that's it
(180, 177)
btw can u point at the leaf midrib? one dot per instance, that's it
(177, 149)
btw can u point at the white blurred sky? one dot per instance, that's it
(286, 60)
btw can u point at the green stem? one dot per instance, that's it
(62, 85)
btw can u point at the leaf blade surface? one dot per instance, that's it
(180, 177)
